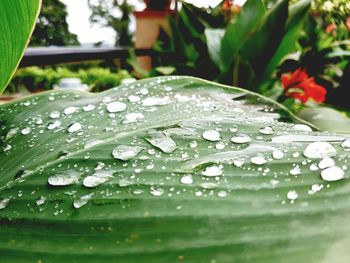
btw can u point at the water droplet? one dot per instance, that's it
(241, 138)
(97, 178)
(302, 127)
(89, 107)
(55, 114)
(11, 133)
(238, 163)
(156, 191)
(292, 195)
(26, 130)
(74, 127)
(212, 171)
(161, 141)
(295, 170)
(332, 174)
(317, 150)
(258, 160)
(277, 154)
(4, 202)
(326, 162)
(346, 144)
(126, 152)
(132, 117)
(40, 200)
(211, 135)
(186, 179)
(54, 125)
(267, 130)
(116, 106)
(220, 145)
(222, 193)
(133, 98)
(64, 178)
(83, 200)
(315, 188)
(70, 110)
(193, 144)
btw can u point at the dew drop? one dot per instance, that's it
(295, 170)
(320, 150)
(161, 141)
(132, 117)
(126, 152)
(222, 193)
(74, 127)
(55, 114)
(326, 162)
(26, 130)
(116, 106)
(186, 179)
(211, 135)
(54, 125)
(267, 130)
(278, 154)
(156, 191)
(92, 143)
(97, 178)
(292, 195)
(241, 138)
(4, 202)
(40, 200)
(302, 127)
(220, 145)
(65, 178)
(346, 144)
(332, 174)
(82, 200)
(193, 144)
(89, 107)
(212, 171)
(70, 110)
(258, 160)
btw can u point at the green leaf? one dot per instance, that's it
(327, 119)
(156, 201)
(261, 47)
(239, 30)
(294, 24)
(17, 23)
(214, 38)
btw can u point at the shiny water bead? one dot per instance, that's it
(333, 173)
(132, 117)
(241, 138)
(91, 143)
(346, 144)
(54, 125)
(89, 107)
(156, 191)
(292, 195)
(295, 170)
(160, 140)
(302, 127)
(258, 160)
(278, 154)
(82, 200)
(213, 170)
(193, 144)
(74, 127)
(4, 202)
(116, 106)
(186, 179)
(70, 110)
(97, 178)
(55, 114)
(40, 200)
(267, 130)
(156, 101)
(26, 130)
(126, 152)
(326, 162)
(133, 98)
(64, 178)
(222, 193)
(211, 135)
(319, 150)
(220, 145)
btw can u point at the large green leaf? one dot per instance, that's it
(17, 21)
(162, 205)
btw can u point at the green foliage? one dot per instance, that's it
(265, 204)
(334, 11)
(35, 78)
(17, 20)
(51, 27)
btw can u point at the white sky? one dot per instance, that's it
(78, 20)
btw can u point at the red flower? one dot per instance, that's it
(302, 87)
